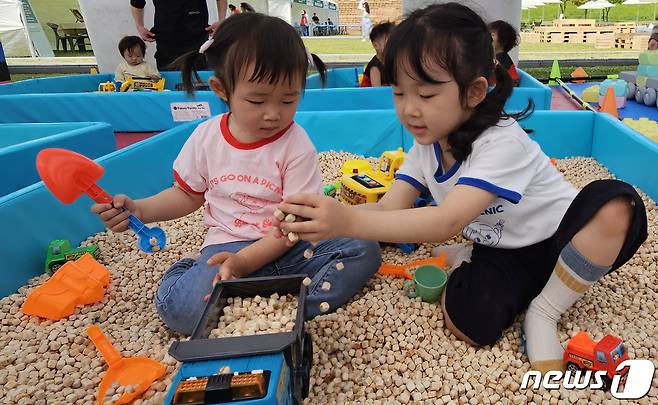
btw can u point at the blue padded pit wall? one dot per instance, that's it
(17, 159)
(630, 156)
(143, 169)
(84, 83)
(57, 84)
(336, 78)
(36, 217)
(147, 111)
(529, 88)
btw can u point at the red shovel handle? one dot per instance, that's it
(99, 195)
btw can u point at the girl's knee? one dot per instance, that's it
(179, 310)
(368, 251)
(615, 215)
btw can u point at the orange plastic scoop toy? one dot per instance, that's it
(139, 371)
(79, 282)
(404, 271)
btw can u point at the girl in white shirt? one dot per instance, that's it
(539, 244)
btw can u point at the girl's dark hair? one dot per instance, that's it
(271, 44)
(131, 41)
(508, 38)
(456, 39)
(247, 7)
(366, 6)
(381, 29)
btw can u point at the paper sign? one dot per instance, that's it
(190, 111)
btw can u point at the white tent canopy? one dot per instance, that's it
(13, 30)
(596, 5)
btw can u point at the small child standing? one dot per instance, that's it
(241, 165)
(133, 50)
(505, 38)
(372, 74)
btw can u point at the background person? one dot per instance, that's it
(178, 27)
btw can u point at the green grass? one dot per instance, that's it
(342, 45)
(618, 13)
(16, 77)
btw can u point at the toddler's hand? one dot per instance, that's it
(231, 266)
(326, 217)
(155, 78)
(113, 216)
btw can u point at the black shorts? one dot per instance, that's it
(484, 297)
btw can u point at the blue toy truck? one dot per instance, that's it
(264, 369)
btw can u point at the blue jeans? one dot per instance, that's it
(179, 299)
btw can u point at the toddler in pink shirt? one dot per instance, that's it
(242, 165)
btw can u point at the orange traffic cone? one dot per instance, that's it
(609, 104)
(579, 72)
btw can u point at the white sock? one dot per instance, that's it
(456, 254)
(572, 276)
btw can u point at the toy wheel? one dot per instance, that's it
(630, 93)
(639, 94)
(55, 267)
(607, 382)
(307, 363)
(572, 367)
(650, 96)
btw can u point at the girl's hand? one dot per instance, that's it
(232, 266)
(113, 216)
(326, 218)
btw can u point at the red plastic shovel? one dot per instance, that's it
(68, 175)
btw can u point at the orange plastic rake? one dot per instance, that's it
(139, 371)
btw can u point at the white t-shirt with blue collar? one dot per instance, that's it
(533, 196)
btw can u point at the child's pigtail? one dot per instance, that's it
(320, 67)
(187, 65)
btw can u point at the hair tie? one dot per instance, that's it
(204, 47)
(309, 56)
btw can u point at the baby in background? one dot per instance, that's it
(133, 50)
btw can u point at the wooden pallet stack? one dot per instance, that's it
(605, 41)
(576, 31)
(636, 42)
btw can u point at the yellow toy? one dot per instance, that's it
(107, 87)
(360, 183)
(142, 84)
(645, 126)
(591, 94)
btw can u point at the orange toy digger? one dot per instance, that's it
(79, 282)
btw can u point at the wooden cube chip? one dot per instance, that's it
(280, 215)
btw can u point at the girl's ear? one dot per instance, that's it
(477, 92)
(218, 88)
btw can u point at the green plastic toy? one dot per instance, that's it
(60, 252)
